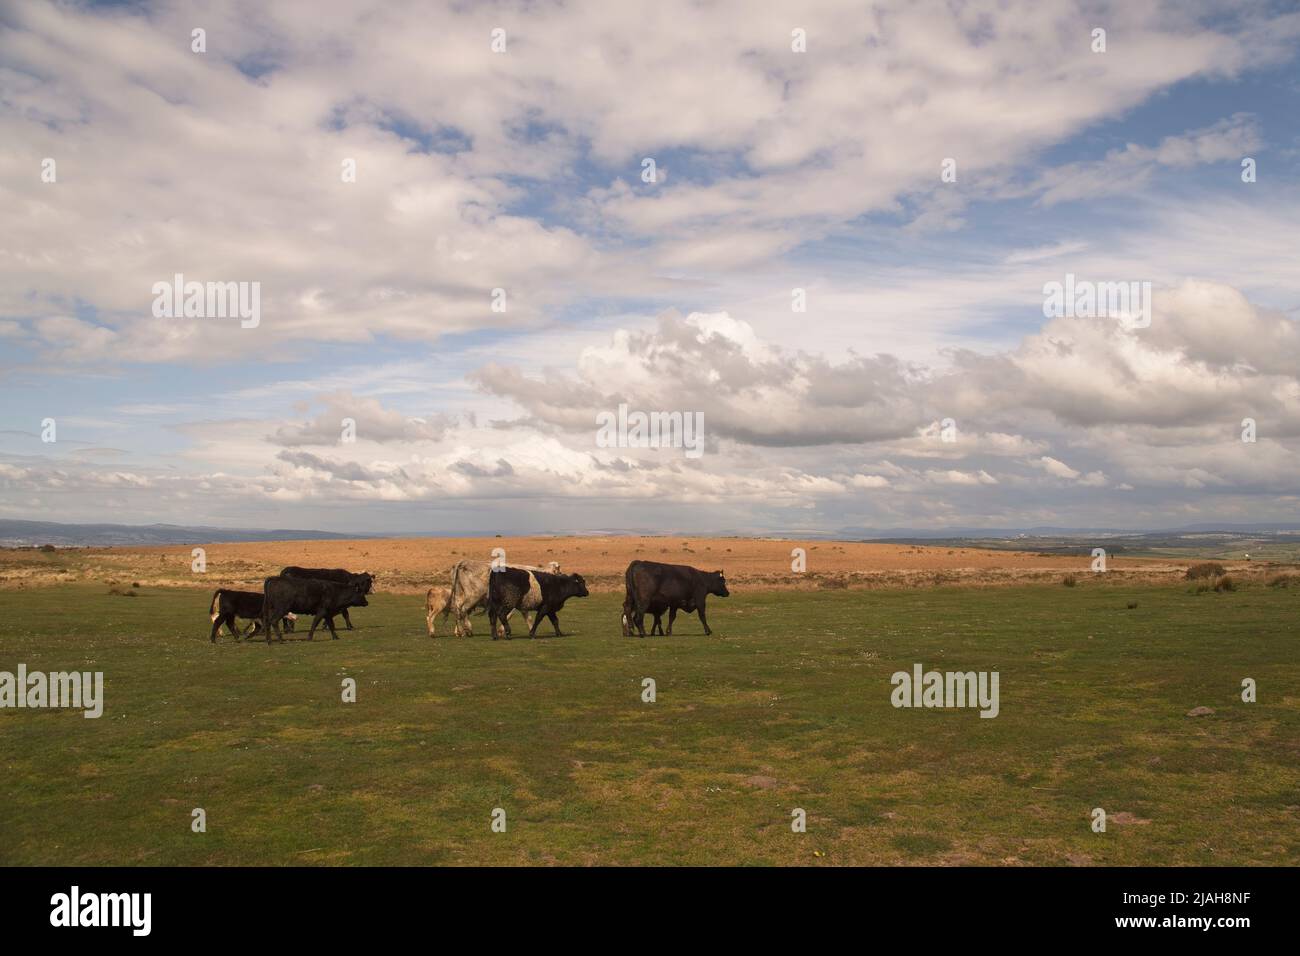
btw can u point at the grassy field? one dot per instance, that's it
(788, 705)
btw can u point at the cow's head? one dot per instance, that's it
(574, 586)
(717, 584)
(365, 580)
(354, 596)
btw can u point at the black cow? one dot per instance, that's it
(657, 612)
(228, 605)
(508, 587)
(654, 588)
(321, 599)
(364, 580)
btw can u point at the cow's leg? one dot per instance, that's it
(347, 620)
(555, 622)
(429, 615)
(275, 627)
(505, 615)
(672, 616)
(537, 619)
(216, 626)
(315, 623)
(639, 620)
(253, 628)
(492, 621)
(704, 621)
(659, 625)
(329, 621)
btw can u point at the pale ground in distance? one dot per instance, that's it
(410, 565)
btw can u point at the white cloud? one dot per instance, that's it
(521, 172)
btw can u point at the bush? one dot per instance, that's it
(1225, 583)
(1283, 580)
(1069, 580)
(1210, 569)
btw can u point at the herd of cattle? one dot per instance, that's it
(498, 589)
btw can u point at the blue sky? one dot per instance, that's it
(521, 170)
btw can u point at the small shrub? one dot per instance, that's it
(1283, 580)
(1209, 569)
(1069, 580)
(1225, 583)
(1132, 605)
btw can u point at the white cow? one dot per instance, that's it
(469, 593)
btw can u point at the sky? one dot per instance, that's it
(839, 266)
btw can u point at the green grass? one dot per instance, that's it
(786, 706)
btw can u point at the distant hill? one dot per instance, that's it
(954, 534)
(1277, 541)
(14, 534)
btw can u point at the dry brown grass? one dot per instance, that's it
(411, 565)
(1207, 569)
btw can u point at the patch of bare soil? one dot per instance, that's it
(411, 565)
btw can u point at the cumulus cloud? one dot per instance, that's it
(370, 421)
(1057, 468)
(762, 149)
(486, 286)
(748, 391)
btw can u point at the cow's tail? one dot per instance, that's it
(629, 594)
(451, 593)
(266, 613)
(215, 610)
